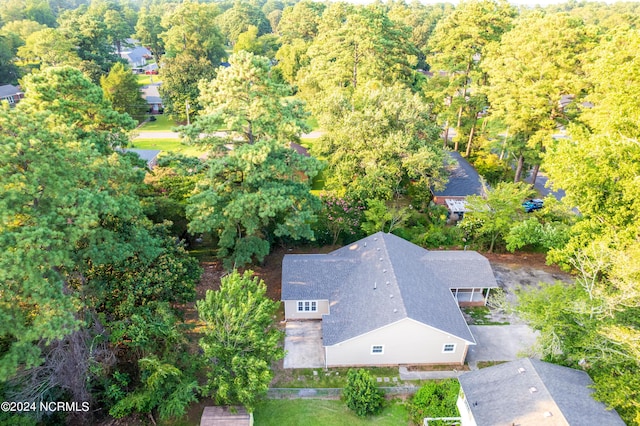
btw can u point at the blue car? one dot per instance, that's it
(532, 205)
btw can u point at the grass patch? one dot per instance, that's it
(481, 315)
(161, 124)
(168, 145)
(331, 378)
(145, 80)
(485, 364)
(320, 412)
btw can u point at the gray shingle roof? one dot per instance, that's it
(148, 155)
(8, 90)
(526, 391)
(464, 180)
(382, 279)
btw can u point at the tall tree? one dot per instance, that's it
(536, 63)
(148, 29)
(49, 48)
(259, 190)
(241, 337)
(379, 142)
(121, 88)
(239, 18)
(78, 105)
(191, 29)
(357, 45)
(457, 47)
(179, 90)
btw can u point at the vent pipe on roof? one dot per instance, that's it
(533, 389)
(375, 285)
(521, 370)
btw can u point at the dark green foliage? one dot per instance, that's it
(361, 393)
(434, 399)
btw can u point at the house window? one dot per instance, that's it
(307, 306)
(377, 350)
(449, 347)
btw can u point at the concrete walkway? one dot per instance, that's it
(405, 374)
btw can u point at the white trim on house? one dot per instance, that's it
(376, 351)
(307, 306)
(449, 348)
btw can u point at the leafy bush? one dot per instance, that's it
(435, 399)
(361, 394)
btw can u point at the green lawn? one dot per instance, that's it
(320, 412)
(162, 124)
(145, 80)
(168, 145)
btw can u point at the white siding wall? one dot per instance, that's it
(291, 310)
(405, 342)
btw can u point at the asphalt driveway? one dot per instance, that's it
(303, 343)
(500, 342)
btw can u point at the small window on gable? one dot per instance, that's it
(307, 306)
(449, 347)
(377, 349)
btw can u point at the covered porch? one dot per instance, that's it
(472, 296)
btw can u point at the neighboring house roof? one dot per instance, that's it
(151, 94)
(148, 155)
(8, 90)
(464, 180)
(136, 55)
(299, 149)
(225, 416)
(532, 392)
(150, 67)
(383, 279)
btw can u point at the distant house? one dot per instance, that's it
(148, 155)
(385, 301)
(529, 392)
(151, 94)
(464, 180)
(136, 56)
(226, 416)
(11, 94)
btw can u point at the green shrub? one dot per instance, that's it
(434, 399)
(361, 393)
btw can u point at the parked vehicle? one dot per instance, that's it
(533, 205)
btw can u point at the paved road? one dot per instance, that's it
(543, 185)
(175, 135)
